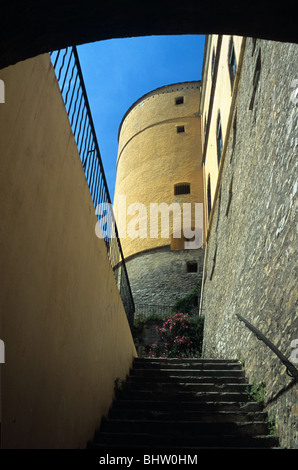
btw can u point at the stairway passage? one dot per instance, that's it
(184, 404)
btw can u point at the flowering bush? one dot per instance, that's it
(180, 336)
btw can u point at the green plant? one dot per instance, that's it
(241, 358)
(180, 336)
(120, 386)
(186, 304)
(271, 425)
(256, 392)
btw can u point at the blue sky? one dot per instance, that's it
(118, 72)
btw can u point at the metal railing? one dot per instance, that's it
(291, 369)
(146, 310)
(160, 310)
(70, 79)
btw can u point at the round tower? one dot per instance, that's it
(159, 194)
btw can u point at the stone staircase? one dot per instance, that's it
(184, 405)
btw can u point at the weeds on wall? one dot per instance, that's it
(256, 392)
(186, 304)
(271, 423)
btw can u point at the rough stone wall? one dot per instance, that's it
(158, 277)
(251, 254)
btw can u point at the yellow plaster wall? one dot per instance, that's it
(153, 157)
(221, 103)
(62, 320)
(207, 82)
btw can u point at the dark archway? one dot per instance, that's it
(33, 27)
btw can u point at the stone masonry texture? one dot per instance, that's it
(251, 257)
(159, 276)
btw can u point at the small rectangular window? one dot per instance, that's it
(232, 63)
(205, 126)
(213, 63)
(191, 267)
(219, 139)
(182, 188)
(234, 136)
(180, 129)
(209, 204)
(179, 100)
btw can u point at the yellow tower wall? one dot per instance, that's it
(153, 157)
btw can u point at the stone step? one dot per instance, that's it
(164, 378)
(179, 361)
(186, 372)
(183, 415)
(190, 428)
(184, 387)
(157, 441)
(199, 366)
(185, 406)
(183, 396)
